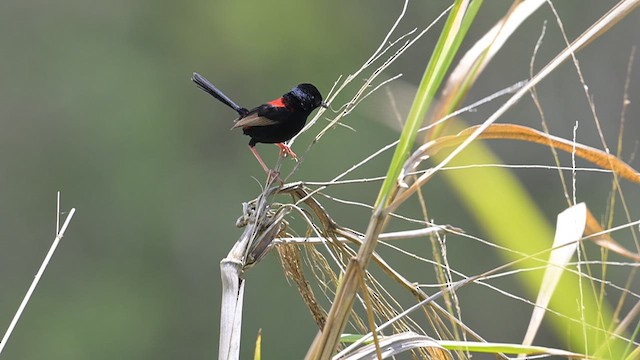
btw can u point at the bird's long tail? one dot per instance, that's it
(208, 87)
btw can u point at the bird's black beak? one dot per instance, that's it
(324, 105)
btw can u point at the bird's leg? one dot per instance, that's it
(284, 149)
(270, 173)
(255, 153)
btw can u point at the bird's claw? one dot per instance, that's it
(285, 150)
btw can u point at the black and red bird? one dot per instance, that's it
(274, 122)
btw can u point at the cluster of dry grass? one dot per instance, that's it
(337, 262)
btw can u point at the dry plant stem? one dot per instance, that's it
(324, 344)
(478, 57)
(629, 5)
(292, 265)
(409, 286)
(476, 278)
(336, 180)
(38, 275)
(233, 297)
(628, 320)
(518, 132)
(231, 309)
(339, 314)
(624, 324)
(543, 120)
(512, 132)
(635, 354)
(398, 235)
(398, 277)
(331, 229)
(612, 17)
(372, 321)
(299, 191)
(382, 48)
(250, 247)
(614, 185)
(429, 300)
(605, 240)
(399, 343)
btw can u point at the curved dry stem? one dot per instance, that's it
(512, 132)
(472, 64)
(331, 231)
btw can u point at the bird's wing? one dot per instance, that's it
(256, 117)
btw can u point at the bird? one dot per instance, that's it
(273, 122)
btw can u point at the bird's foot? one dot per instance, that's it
(285, 150)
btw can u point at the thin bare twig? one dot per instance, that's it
(37, 277)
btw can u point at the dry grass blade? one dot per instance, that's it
(325, 343)
(523, 133)
(511, 349)
(36, 279)
(290, 260)
(612, 17)
(383, 304)
(377, 305)
(343, 272)
(569, 229)
(604, 240)
(398, 344)
(476, 59)
(598, 157)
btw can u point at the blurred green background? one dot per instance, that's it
(96, 101)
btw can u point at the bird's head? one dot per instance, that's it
(306, 97)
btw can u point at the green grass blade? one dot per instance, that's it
(455, 28)
(510, 217)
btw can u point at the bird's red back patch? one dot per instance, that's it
(277, 102)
